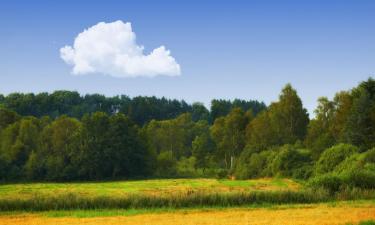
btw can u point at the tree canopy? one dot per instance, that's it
(63, 136)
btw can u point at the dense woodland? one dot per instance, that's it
(63, 136)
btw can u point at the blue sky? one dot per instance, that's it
(227, 49)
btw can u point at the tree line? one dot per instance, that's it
(139, 109)
(63, 136)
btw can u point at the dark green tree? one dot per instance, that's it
(319, 135)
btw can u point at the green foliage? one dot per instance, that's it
(350, 163)
(166, 164)
(369, 156)
(186, 167)
(367, 222)
(71, 201)
(350, 180)
(60, 147)
(259, 132)
(220, 108)
(229, 134)
(203, 148)
(358, 162)
(7, 117)
(359, 129)
(174, 135)
(289, 117)
(360, 179)
(252, 164)
(139, 109)
(18, 141)
(112, 147)
(285, 122)
(333, 156)
(291, 162)
(199, 112)
(100, 138)
(330, 182)
(319, 136)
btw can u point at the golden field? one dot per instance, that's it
(342, 213)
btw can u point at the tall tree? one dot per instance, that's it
(199, 112)
(229, 135)
(360, 127)
(174, 135)
(319, 135)
(343, 102)
(203, 147)
(289, 117)
(220, 107)
(285, 122)
(7, 117)
(95, 149)
(60, 149)
(18, 140)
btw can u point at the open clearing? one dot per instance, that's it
(332, 212)
(340, 213)
(152, 187)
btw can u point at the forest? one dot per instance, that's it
(63, 136)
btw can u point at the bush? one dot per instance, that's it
(186, 167)
(369, 156)
(253, 164)
(287, 161)
(357, 162)
(291, 162)
(221, 174)
(351, 163)
(304, 172)
(330, 182)
(333, 156)
(166, 165)
(360, 179)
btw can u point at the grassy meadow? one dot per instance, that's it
(165, 193)
(356, 212)
(142, 187)
(185, 201)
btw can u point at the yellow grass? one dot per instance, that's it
(151, 187)
(306, 214)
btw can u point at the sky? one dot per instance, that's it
(191, 50)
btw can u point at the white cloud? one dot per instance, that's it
(111, 48)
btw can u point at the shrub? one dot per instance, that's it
(370, 156)
(221, 173)
(291, 162)
(304, 172)
(356, 162)
(351, 163)
(253, 164)
(360, 179)
(166, 165)
(333, 156)
(357, 179)
(330, 182)
(186, 167)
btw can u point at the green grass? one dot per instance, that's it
(79, 213)
(122, 188)
(166, 193)
(365, 222)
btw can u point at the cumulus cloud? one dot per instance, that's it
(111, 49)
